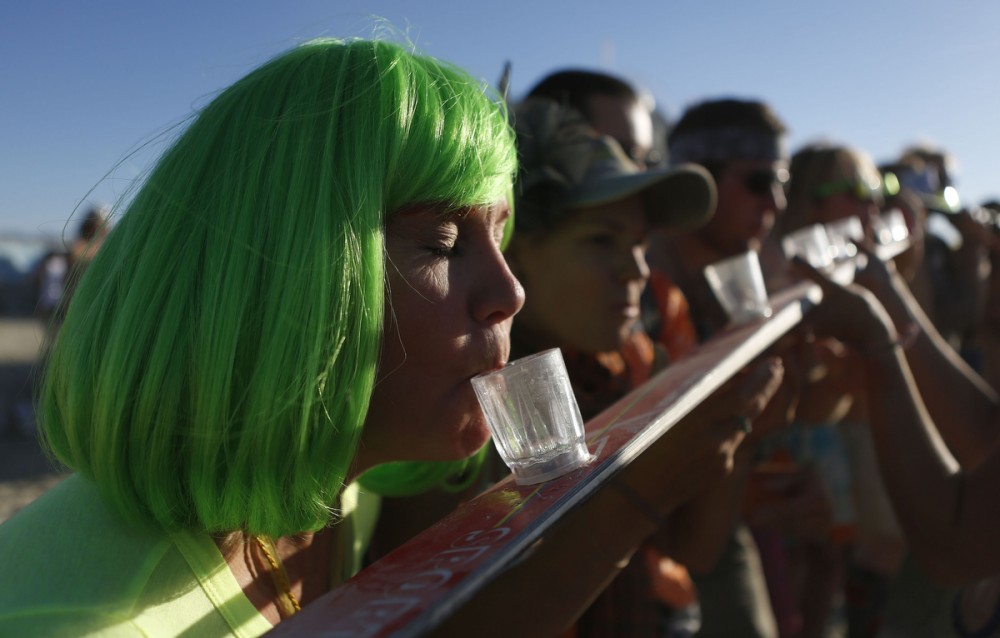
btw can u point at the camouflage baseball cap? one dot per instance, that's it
(566, 165)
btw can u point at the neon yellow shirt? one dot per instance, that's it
(69, 566)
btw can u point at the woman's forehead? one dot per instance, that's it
(445, 211)
(415, 217)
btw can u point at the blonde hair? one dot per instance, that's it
(810, 168)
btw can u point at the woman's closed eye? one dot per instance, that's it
(443, 241)
(444, 250)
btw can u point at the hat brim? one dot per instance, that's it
(683, 196)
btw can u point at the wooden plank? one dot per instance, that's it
(412, 590)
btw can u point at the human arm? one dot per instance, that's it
(700, 529)
(555, 581)
(794, 502)
(830, 388)
(947, 512)
(964, 408)
(967, 276)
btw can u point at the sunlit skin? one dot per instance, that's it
(743, 219)
(450, 299)
(625, 120)
(583, 279)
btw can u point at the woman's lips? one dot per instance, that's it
(491, 353)
(486, 368)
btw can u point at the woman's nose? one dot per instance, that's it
(500, 295)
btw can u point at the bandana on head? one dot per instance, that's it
(725, 144)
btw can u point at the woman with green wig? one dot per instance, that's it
(293, 304)
(229, 362)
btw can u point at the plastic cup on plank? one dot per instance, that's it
(890, 227)
(845, 235)
(738, 284)
(534, 418)
(811, 244)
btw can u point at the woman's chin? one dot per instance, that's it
(473, 437)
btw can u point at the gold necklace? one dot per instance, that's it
(288, 605)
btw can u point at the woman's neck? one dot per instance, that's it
(305, 558)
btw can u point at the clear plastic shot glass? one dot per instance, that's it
(533, 416)
(811, 244)
(738, 284)
(890, 227)
(845, 235)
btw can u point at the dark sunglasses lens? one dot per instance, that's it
(761, 182)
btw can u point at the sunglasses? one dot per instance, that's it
(762, 182)
(859, 188)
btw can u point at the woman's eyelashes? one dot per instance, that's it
(444, 251)
(448, 240)
(443, 241)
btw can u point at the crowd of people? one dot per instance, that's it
(262, 381)
(50, 284)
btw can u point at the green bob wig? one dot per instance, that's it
(215, 365)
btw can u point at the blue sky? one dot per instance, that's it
(90, 89)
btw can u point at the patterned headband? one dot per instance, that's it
(725, 144)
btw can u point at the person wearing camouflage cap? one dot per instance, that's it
(583, 212)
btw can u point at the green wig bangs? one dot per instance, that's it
(215, 364)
